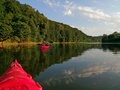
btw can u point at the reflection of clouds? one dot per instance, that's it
(116, 68)
(99, 69)
(68, 72)
(94, 70)
(70, 75)
(90, 65)
(87, 72)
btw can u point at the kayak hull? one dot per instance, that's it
(15, 78)
(44, 48)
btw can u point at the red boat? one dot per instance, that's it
(15, 78)
(44, 48)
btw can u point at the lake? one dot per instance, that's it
(68, 66)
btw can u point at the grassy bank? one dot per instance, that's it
(4, 44)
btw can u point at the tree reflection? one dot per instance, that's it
(115, 48)
(34, 61)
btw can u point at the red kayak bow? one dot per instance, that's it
(15, 78)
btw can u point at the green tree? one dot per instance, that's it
(22, 31)
(6, 32)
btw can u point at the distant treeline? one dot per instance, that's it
(113, 38)
(22, 23)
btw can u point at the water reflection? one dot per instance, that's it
(32, 59)
(68, 66)
(115, 48)
(92, 69)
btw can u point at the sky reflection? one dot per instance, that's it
(90, 64)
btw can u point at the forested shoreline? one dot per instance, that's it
(21, 23)
(112, 38)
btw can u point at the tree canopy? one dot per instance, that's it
(114, 37)
(22, 23)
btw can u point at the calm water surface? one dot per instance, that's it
(68, 67)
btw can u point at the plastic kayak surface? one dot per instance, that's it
(44, 48)
(15, 78)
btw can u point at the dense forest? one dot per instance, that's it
(22, 23)
(113, 38)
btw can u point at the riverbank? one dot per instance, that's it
(4, 44)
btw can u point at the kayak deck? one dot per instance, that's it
(15, 78)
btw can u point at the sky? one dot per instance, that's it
(93, 17)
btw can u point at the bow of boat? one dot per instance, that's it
(15, 78)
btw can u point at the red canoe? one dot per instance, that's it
(44, 48)
(15, 78)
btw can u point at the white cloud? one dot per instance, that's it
(92, 13)
(110, 20)
(117, 14)
(69, 12)
(48, 2)
(70, 8)
(52, 3)
(116, 17)
(92, 31)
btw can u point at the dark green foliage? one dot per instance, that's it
(5, 32)
(115, 37)
(21, 23)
